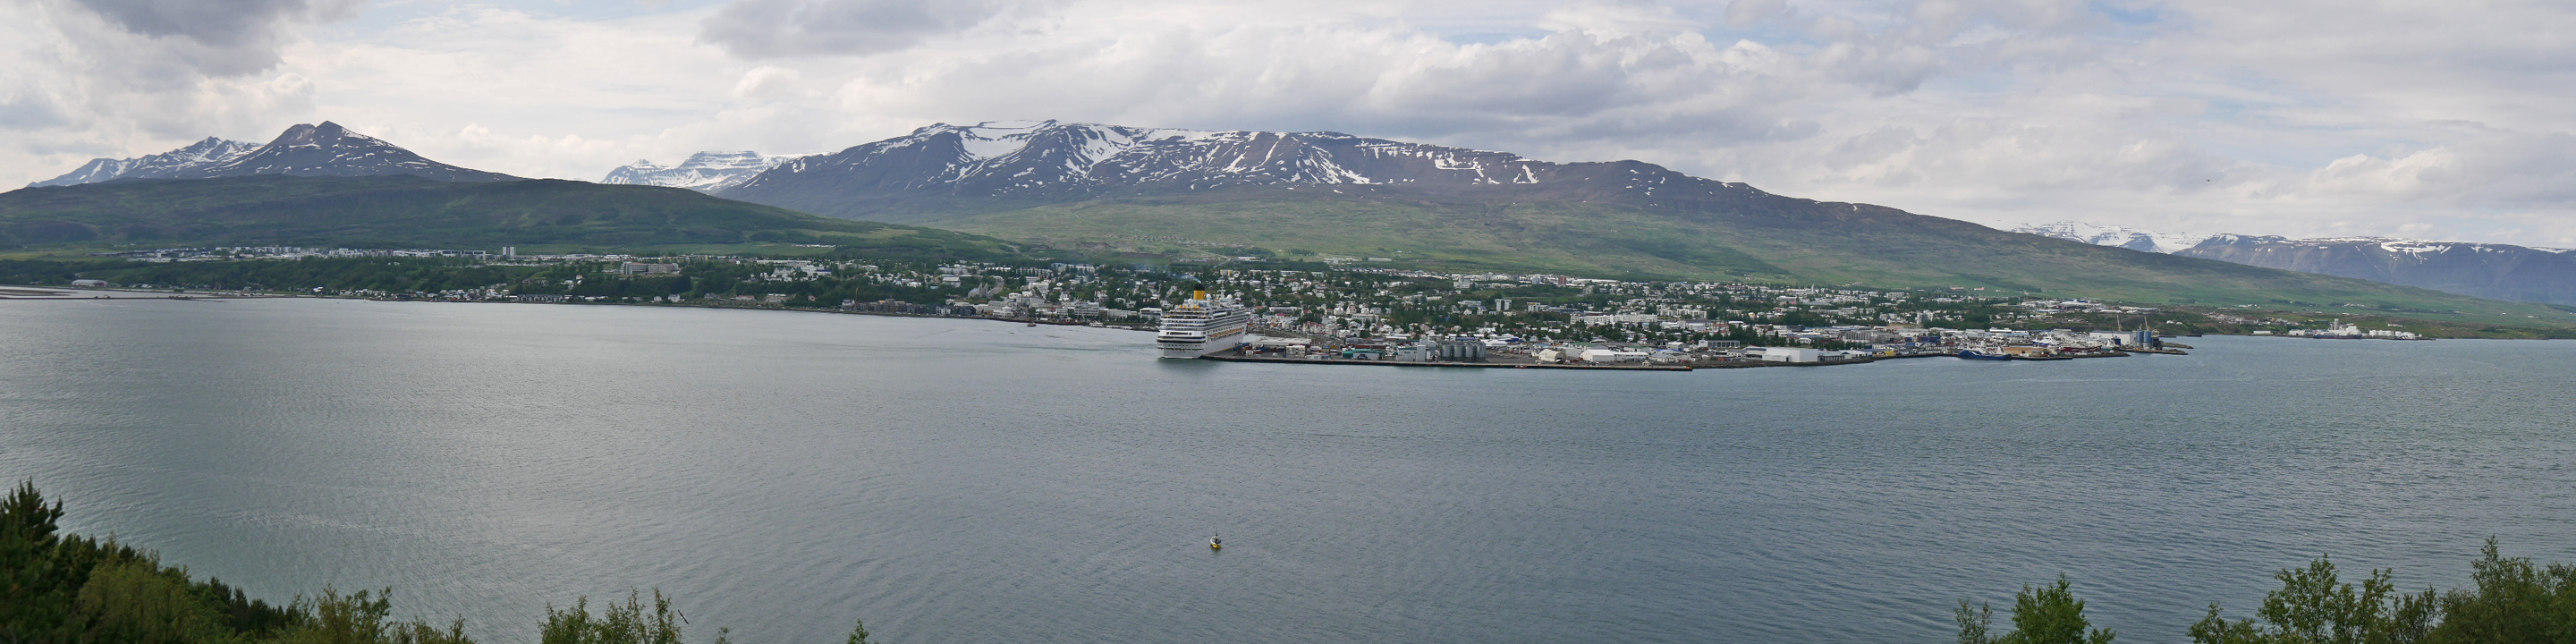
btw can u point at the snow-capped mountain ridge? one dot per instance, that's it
(331, 150)
(704, 172)
(325, 150)
(2121, 236)
(2500, 271)
(1053, 161)
(202, 155)
(2390, 244)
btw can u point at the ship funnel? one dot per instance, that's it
(1198, 295)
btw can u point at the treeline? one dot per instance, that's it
(2510, 601)
(43, 272)
(67, 589)
(417, 275)
(390, 275)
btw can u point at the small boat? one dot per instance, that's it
(1216, 544)
(1033, 324)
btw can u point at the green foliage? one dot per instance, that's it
(64, 588)
(138, 602)
(35, 594)
(49, 272)
(393, 275)
(615, 624)
(2314, 607)
(2513, 601)
(2041, 615)
(357, 618)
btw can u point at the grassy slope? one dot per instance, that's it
(407, 211)
(1891, 249)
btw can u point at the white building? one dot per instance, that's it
(1791, 354)
(1609, 356)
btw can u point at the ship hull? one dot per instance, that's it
(1973, 354)
(1195, 348)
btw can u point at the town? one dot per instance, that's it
(1307, 312)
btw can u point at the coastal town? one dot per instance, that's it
(1305, 313)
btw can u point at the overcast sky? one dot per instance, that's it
(2446, 120)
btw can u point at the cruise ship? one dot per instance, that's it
(1202, 326)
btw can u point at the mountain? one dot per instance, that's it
(1107, 188)
(410, 211)
(2497, 271)
(97, 170)
(704, 172)
(2121, 236)
(195, 158)
(2494, 271)
(326, 150)
(936, 171)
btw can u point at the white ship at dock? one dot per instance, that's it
(1202, 326)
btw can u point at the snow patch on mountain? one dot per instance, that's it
(2121, 236)
(703, 172)
(2392, 245)
(194, 158)
(1033, 155)
(305, 150)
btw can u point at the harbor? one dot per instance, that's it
(1218, 329)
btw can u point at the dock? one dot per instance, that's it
(1236, 357)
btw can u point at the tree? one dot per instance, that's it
(2513, 602)
(2041, 615)
(616, 624)
(35, 598)
(2313, 607)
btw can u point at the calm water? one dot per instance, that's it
(954, 481)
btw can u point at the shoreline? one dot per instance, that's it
(1234, 356)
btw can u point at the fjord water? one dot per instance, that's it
(963, 481)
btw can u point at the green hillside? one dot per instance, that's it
(1792, 241)
(404, 211)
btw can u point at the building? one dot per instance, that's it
(1791, 354)
(1613, 356)
(1460, 350)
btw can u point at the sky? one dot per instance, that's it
(2303, 118)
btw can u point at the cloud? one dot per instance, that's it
(110, 79)
(776, 28)
(1746, 13)
(2504, 169)
(2290, 117)
(765, 82)
(216, 22)
(212, 37)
